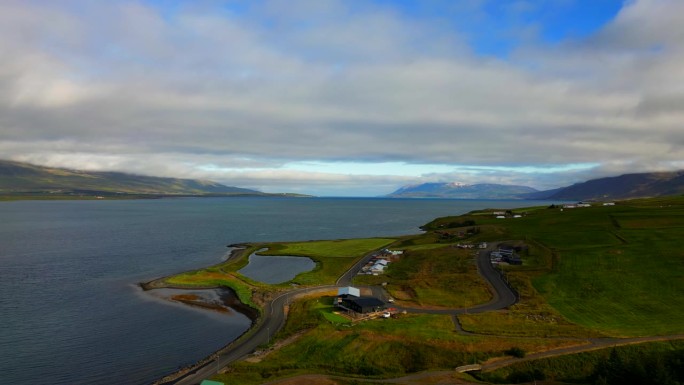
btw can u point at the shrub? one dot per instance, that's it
(515, 352)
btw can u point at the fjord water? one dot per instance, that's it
(70, 308)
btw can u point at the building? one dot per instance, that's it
(346, 291)
(363, 305)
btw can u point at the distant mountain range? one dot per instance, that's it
(18, 178)
(462, 191)
(23, 178)
(626, 186)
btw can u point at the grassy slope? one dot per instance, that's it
(376, 348)
(16, 177)
(578, 368)
(617, 270)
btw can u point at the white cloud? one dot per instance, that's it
(124, 86)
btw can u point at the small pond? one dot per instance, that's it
(275, 269)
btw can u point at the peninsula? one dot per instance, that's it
(490, 296)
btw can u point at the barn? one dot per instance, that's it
(363, 305)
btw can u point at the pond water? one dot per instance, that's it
(275, 269)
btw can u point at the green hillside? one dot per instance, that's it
(24, 178)
(616, 269)
(628, 186)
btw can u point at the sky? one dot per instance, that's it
(345, 97)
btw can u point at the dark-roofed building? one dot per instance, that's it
(363, 305)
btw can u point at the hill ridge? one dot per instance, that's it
(21, 177)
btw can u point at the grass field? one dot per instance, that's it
(618, 270)
(442, 276)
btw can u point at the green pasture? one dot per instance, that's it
(441, 276)
(342, 248)
(618, 270)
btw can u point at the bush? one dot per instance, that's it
(515, 352)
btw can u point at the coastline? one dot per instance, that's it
(229, 299)
(159, 283)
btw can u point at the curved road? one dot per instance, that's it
(503, 296)
(274, 314)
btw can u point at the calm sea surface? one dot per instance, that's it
(70, 309)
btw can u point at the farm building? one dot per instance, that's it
(363, 305)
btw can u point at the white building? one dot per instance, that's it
(349, 291)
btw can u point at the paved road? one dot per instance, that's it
(273, 319)
(274, 314)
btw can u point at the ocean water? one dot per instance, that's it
(70, 308)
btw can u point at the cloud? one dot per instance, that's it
(138, 87)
